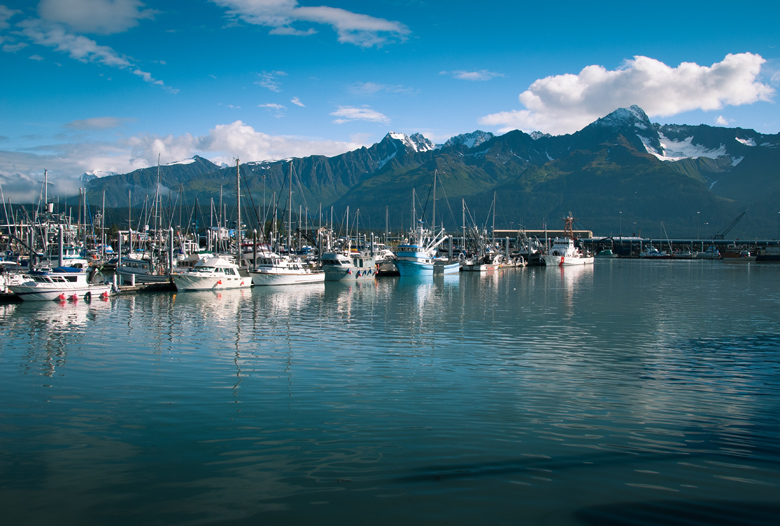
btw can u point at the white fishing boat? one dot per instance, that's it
(216, 273)
(60, 283)
(355, 267)
(275, 269)
(484, 263)
(563, 252)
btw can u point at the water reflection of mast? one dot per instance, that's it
(237, 356)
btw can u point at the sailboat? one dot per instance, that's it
(276, 269)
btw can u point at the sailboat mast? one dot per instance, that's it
(433, 220)
(289, 212)
(238, 213)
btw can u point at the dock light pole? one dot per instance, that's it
(698, 236)
(621, 224)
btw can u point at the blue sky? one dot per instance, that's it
(110, 84)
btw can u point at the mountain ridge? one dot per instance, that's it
(619, 163)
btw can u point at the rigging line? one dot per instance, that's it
(446, 200)
(249, 193)
(422, 214)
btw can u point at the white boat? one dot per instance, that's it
(274, 269)
(216, 273)
(564, 254)
(653, 253)
(484, 263)
(355, 267)
(60, 283)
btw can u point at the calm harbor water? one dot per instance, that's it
(630, 392)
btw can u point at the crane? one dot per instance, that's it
(722, 233)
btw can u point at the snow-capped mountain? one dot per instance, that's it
(619, 163)
(94, 174)
(415, 142)
(469, 140)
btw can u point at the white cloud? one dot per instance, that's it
(21, 172)
(272, 106)
(96, 123)
(5, 15)
(228, 141)
(566, 103)
(722, 121)
(13, 48)
(103, 17)
(280, 15)
(370, 88)
(480, 75)
(297, 102)
(348, 114)
(270, 80)
(81, 48)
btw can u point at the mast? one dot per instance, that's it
(494, 218)
(433, 219)
(238, 213)
(289, 213)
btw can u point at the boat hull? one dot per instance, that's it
(32, 293)
(416, 268)
(567, 261)
(271, 279)
(185, 282)
(350, 274)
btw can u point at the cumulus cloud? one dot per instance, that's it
(21, 172)
(348, 114)
(228, 141)
(566, 103)
(281, 15)
(480, 75)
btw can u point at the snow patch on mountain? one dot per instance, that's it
(415, 142)
(685, 149)
(95, 174)
(622, 117)
(185, 161)
(386, 160)
(536, 135)
(746, 142)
